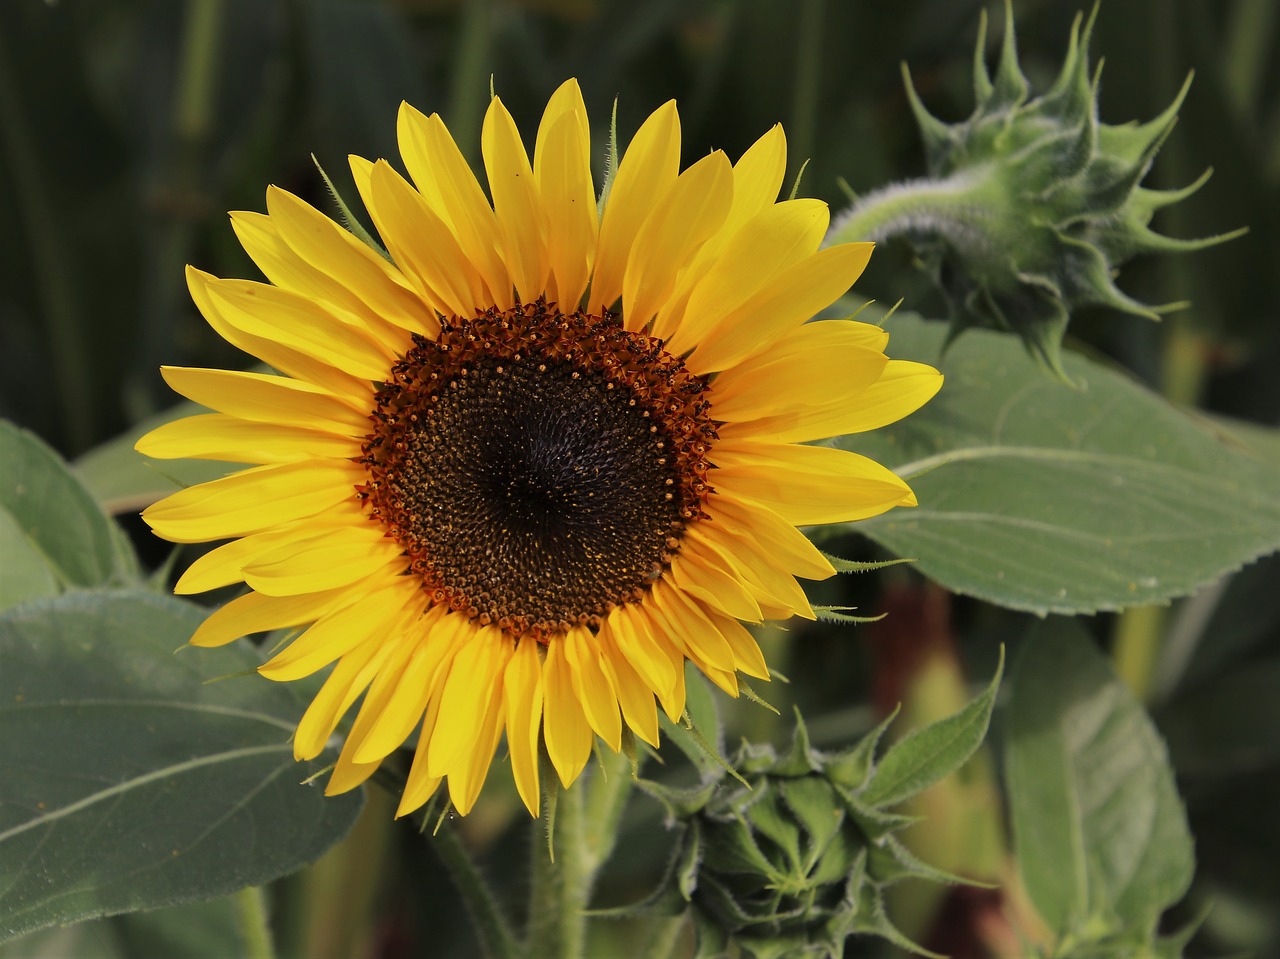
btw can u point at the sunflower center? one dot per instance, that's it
(538, 468)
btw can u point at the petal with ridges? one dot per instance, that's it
(593, 687)
(217, 436)
(340, 690)
(421, 786)
(564, 723)
(741, 555)
(467, 779)
(690, 627)
(648, 169)
(522, 690)
(780, 539)
(522, 225)
(774, 239)
(823, 379)
(809, 485)
(422, 244)
(255, 613)
(359, 279)
(225, 564)
(475, 676)
(640, 649)
(782, 304)
(338, 632)
(265, 398)
(691, 211)
(254, 499)
(325, 561)
(443, 178)
(635, 695)
(902, 389)
(562, 169)
(746, 651)
(301, 324)
(717, 587)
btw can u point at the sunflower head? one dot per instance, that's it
(512, 475)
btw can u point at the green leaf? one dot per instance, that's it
(53, 536)
(1099, 831)
(928, 754)
(122, 480)
(128, 781)
(1041, 497)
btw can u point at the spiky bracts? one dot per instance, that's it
(1031, 204)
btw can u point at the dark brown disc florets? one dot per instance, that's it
(538, 468)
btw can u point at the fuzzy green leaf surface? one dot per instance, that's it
(1040, 496)
(1100, 834)
(128, 781)
(53, 536)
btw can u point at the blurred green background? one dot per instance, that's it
(129, 127)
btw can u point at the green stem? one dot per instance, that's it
(491, 927)
(251, 910)
(1137, 645)
(607, 794)
(557, 908)
(953, 208)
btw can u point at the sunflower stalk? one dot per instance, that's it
(496, 938)
(255, 926)
(560, 888)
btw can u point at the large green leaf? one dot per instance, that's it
(1099, 832)
(1038, 496)
(53, 536)
(128, 780)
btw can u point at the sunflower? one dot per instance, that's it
(517, 469)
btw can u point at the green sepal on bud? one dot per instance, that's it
(791, 853)
(1031, 204)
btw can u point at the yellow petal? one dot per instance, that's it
(774, 239)
(264, 398)
(635, 696)
(255, 613)
(746, 652)
(902, 389)
(466, 780)
(216, 436)
(443, 178)
(648, 170)
(716, 587)
(741, 556)
(824, 378)
(778, 538)
(348, 680)
(225, 564)
(253, 500)
(522, 225)
(422, 244)
(359, 279)
(522, 690)
(339, 631)
(681, 221)
(562, 168)
(348, 774)
(782, 304)
(301, 324)
(757, 176)
(592, 686)
(474, 678)
(809, 485)
(640, 650)
(286, 359)
(421, 786)
(325, 561)
(690, 627)
(565, 727)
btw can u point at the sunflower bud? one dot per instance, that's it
(790, 854)
(1030, 205)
